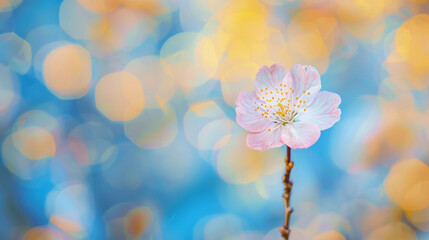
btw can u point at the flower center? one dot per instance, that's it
(281, 105)
(285, 114)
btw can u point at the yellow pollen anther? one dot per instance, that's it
(296, 98)
(305, 109)
(262, 90)
(303, 91)
(269, 129)
(308, 93)
(266, 88)
(282, 110)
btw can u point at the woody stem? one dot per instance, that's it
(287, 183)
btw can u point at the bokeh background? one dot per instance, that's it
(117, 119)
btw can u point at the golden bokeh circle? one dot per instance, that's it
(119, 96)
(407, 184)
(35, 143)
(67, 71)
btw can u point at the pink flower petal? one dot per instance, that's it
(300, 134)
(269, 78)
(266, 139)
(246, 115)
(323, 111)
(306, 82)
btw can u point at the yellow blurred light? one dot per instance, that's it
(328, 222)
(243, 60)
(276, 2)
(358, 10)
(396, 136)
(237, 163)
(205, 55)
(65, 224)
(393, 230)
(419, 219)
(100, 6)
(69, 207)
(156, 7)
(137, 221)
(35, 143)
(245, 38)
(311, 37)
(364, 18)
(331, 235)
(378, 217)
(399, 134)
(4, 5)
(411, 41)
(418, 1)
(119, 96)
(208, 109)
(41, 233)
(407, 184)
(233, 7)
(67, 71)
(230, 90)
(404, 75)
(246, 26)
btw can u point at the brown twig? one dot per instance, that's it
(284, 230)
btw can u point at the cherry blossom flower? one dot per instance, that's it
(286, 108)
